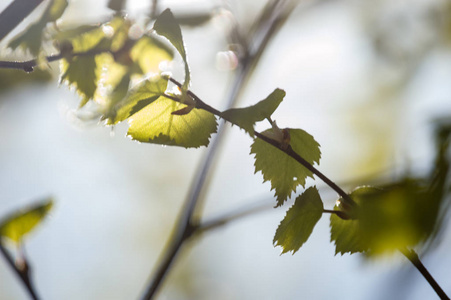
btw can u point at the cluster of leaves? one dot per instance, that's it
(103, 62)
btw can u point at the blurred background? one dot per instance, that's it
(367, 79)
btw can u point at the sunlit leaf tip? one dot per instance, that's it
(166, 25)
(246, 117)
(18, 224)
(283, 171)
(298, 224)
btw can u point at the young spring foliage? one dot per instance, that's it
(18, 224)
(298, 224)
(246, 118)
(166, 25)
(283, 171)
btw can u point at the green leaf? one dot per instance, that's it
(84, 72)
(138, 98)
(116, 5)
(148, 53)
(80, 72)
(166, 25)
(31, 38)
(387, 219)
(284, 172)
(156, 124)
(298, 224)
(248, 116)
(22, 222)
(55, 10)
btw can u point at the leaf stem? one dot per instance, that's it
(22, 274)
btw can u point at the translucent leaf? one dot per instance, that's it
(166, 25)
(156, 124)
(100, 37)
(20, 223)
(148, 53)
(248, 116)
(56, 10)
(138, 98)
(298, 224)
(80, 72)
(284, 172)
(83, 72)
(31, 38)
(387, 219)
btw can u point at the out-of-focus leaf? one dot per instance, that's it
(138, 98)
(31, 38)
(116, 5)
(22, 222)
(386, 219)
(148, 53)
(156, 124)
(193, 20)
(166, 25)
(55, 10)
(298, 224)
(248, 116)
(284, 172)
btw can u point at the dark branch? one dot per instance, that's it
(29, 65)
(15, 13)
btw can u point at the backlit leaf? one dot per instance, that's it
(284, 172)
(31, 38)
(80, 72)
(56, 10)
(248, 116)
(156, 124)
(20, 223)
(298, 224)
(138, 98)
(387, 219)
(166, 25)
(84, 72)
(148, 53)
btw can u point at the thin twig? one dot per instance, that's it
(29, 65)
(415, 260)
(186, 221)
(288, 150)
(22, 274)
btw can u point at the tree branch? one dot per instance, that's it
(14, 14)
(186, 222)
(29, 65)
